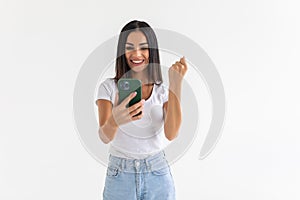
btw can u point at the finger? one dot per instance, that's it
(136, 105)
(137, 111)
(182, 61)
(137, 117)
(128, 99)
(180, 65)
(175, 67)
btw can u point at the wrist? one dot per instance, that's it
(175, 87)
(176, 82)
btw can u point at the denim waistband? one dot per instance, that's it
(149, 164)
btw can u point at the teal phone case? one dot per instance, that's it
(128, 85)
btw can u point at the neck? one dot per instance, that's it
(143, 76)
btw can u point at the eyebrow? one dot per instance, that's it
(139, 44)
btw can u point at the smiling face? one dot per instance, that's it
(136, 51)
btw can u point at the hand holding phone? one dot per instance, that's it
(128, 103)
(128, 86)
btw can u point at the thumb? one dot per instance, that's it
(182, 61)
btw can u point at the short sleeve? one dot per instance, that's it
(106, 91)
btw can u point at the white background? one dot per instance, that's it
(255, 46)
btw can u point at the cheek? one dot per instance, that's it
(127, 57)
(147, 56)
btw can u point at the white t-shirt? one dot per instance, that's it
(140, 138)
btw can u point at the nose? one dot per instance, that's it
(137, 52)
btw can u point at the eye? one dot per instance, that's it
(129, 48)
(144, 48)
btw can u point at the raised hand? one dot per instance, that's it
(177, 72)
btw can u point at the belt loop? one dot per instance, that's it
(110, 158)
(122, 164)
(147, 165)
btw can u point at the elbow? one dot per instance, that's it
(105, 141)
(171, 133)
(103, 137)
(171, 137)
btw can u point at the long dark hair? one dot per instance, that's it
(154, 68)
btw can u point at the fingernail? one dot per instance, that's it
(143, 100)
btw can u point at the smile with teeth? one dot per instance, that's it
(137, 62)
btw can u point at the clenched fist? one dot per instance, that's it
(177, 72)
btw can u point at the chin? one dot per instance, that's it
(137, 69)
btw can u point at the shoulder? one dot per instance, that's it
(107, 90)
(109, 84)
(161, 88)
(106, 87)
(161, 92)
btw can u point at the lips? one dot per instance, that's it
(137, 62)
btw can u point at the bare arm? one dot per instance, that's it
(172, 108)
(107, 124)
(172, 111)
(110, 117)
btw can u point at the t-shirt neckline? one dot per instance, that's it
(150, 94)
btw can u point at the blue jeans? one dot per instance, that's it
(139, 179)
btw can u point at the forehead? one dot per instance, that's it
(136, 37)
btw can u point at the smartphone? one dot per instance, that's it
(128, 85)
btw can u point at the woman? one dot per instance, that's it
(138, 134)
